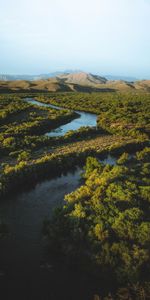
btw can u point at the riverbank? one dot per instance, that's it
(37, 172)
(62, 159)
(82, 119)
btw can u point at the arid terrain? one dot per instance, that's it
(76, 82)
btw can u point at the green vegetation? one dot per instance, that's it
(25, 152)
(22, 124)
(119, 113)
(18, 117)
(105, 223)
(15, 175)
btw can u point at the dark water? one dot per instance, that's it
(24, 271)
(85, 119)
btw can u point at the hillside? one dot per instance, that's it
(82, 78)
(77, 82)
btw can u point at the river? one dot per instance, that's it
(85, 119)
(25, 272)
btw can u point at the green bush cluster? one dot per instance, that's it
(125, 113)
(106, 220)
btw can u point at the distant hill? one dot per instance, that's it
(77, 82)
(82, 78)
(8, 77)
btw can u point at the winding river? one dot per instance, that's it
(24, 271)
(85, 119)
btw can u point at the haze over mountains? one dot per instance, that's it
(11, 77)
(73, 81)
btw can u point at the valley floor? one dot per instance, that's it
(109, 211)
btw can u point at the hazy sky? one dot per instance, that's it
(101, 36)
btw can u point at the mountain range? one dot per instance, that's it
(74, 81)
(8, 77)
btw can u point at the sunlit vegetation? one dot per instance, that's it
(14, 144)
(22, 123)
(24, 170)
(26, 152)
(105, 224)
(10, 107)
(22, 118)
(119, 113)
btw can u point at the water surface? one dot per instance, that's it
(24, 270)
(84, 119)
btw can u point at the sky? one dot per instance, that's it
(97, 36)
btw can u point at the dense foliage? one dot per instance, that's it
(24, 150)
(118, 112)
(22, 125)
(104, 225)
(106, 221)
(18, 117)
(26, 170)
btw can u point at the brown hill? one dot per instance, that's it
(33, 86)
(77, 82)
(143, 84)
(82, 78)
